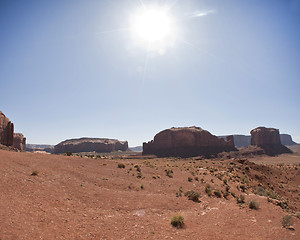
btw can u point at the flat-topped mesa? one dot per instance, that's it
(187, 142)
(269, 140)
(6, 130)
(99, 145)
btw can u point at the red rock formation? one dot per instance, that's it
(19, 141)
(187, 142)
(6, 130)
(91, 145)
(269, 140)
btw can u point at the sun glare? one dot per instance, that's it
(152, 26)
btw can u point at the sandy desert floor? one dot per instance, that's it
(95, 198)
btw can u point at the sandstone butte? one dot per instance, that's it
(7, 135)
(91, 145)
(187, 142)
(269, 140)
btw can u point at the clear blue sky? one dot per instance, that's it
(72, 68)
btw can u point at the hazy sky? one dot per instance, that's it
(73, 68)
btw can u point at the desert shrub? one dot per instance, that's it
(139, 175)
(241, 199)
(177, 221)
(197, 179)
(190, 179)
(225, 194)
(218, 193)
(208, 190)
(298, 214)
(69, 153)
(227, 188)
(121, 165)
(138, 168)
(192, 195)
(169, 173)
(283, 204)
(261, 191)
(142, 186)
(273, 195)
(34, 173)
(243, 187)
(254, 205)
(179, 193)
(287, 221)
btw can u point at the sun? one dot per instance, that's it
(153, 26)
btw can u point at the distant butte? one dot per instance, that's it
(269, 140)
(187, 142)
(99, 145)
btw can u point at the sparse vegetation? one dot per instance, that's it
(179, 193)
(254, 205)
(192, 195)
(190, 179)
(169, 173)
(138, 168)
(287, 221)
(243, 187)
(208, 190)
(69, 153)
(217, 193)
(240, 199)
(177, 221)
(34, 173)
(121, 165)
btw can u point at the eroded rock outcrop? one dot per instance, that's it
(91, 145)
(187, 142)
(6, 130)
(269, 140)
(7, 135)
(19, 141)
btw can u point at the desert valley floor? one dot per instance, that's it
(47, 196)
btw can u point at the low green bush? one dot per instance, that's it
(177, 221)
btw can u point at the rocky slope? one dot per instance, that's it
(47, 196)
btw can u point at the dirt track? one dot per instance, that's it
(84, 198)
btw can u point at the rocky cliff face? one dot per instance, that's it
(6, 130)
(91, 145)
(19, 141)
(187, 142)
(269, 140)
(7, 135)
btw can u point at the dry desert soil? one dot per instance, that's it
(45, 196)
